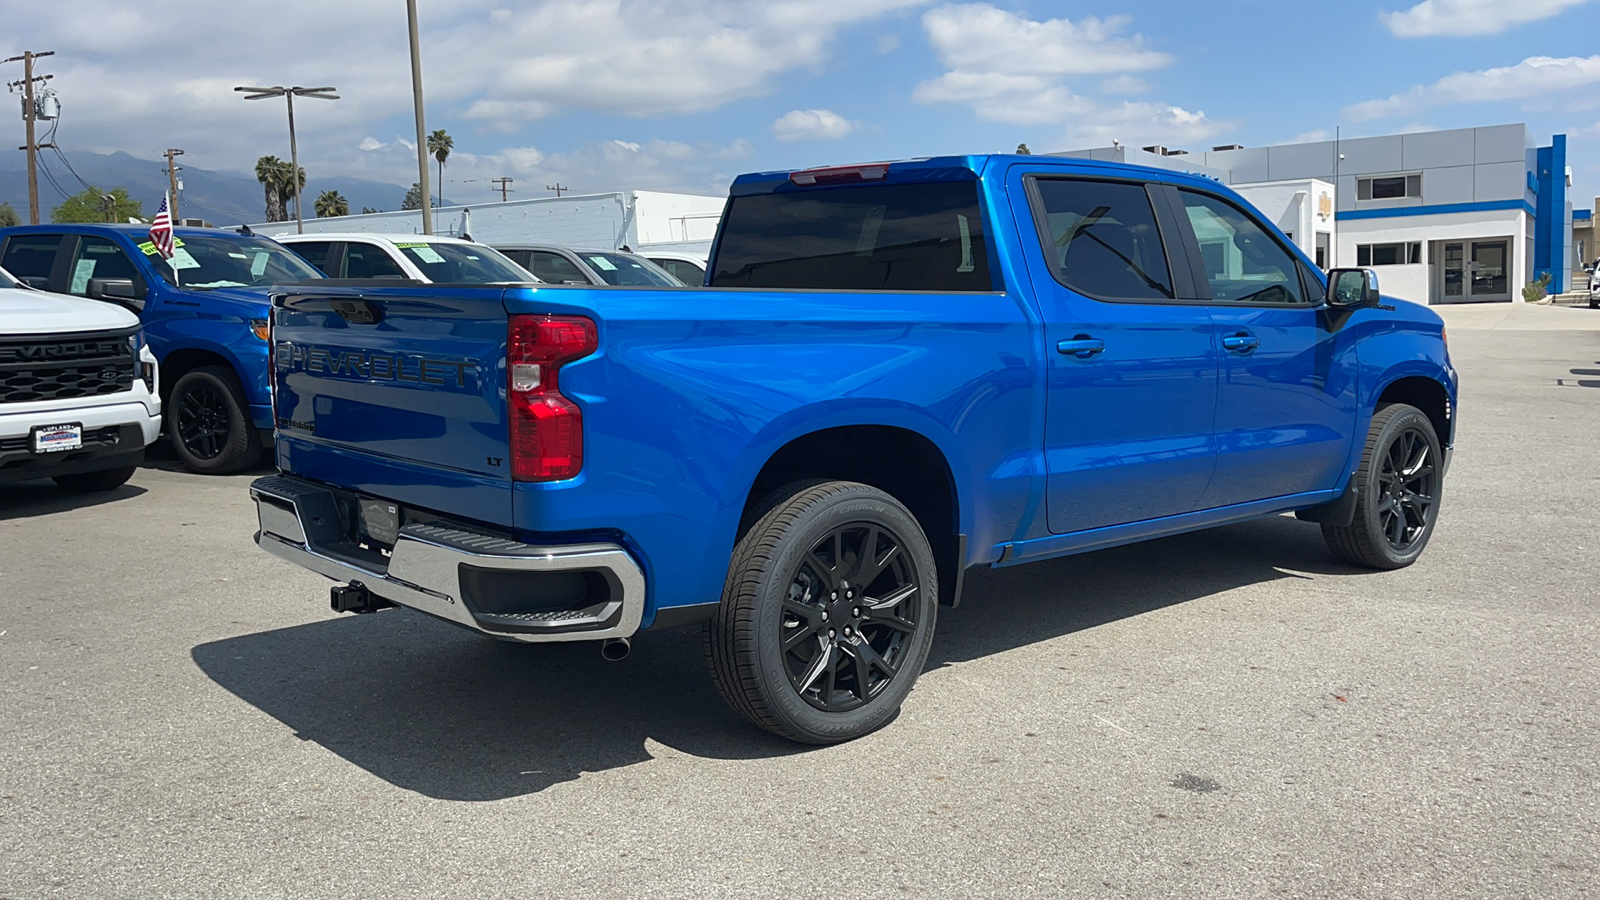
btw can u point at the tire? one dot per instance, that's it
(1398, 487)
(208, 406)
(790, 580)
(88, 482)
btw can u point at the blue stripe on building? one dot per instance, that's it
(1549, 237)
(1437, 209)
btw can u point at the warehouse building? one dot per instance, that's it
(1470, 214)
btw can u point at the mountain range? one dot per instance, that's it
(221, 198)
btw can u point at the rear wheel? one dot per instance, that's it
(1397, 492)
(103, 480)
(209, 423)
(827, 615)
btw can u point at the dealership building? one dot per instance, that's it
(1470, 214)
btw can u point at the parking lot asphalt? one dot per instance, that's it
(1229, 713)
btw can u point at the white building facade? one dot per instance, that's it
(1471, 214)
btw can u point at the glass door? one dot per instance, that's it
(1491, 279)
(1454, 268)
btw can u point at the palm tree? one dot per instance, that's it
(440, 144)
(273, 173)
(332, 203)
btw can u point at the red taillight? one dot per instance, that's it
(546, 428)
(835, 174)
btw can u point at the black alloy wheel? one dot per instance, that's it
(846, 627)
(1407, 487)
(208, 421)
(1397, 489)
(202, 421)
(828, 612)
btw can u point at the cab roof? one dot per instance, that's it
(943, 168)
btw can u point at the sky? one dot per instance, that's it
(600, 95)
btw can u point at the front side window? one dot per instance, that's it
(462, 263)
(555, 268)
(98, 258)
(370, 261)
(1243, 262)
(31, 256)
(884, 237)
(1102, 240)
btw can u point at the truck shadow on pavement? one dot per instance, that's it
(452, 715)
(26, 499)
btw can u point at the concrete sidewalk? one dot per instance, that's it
(1517, 317)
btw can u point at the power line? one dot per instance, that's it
(501, 185)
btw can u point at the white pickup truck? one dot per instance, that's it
(78, 391)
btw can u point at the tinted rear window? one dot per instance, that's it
(903, 237)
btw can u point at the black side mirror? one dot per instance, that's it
(117, 290)
(1352, 288)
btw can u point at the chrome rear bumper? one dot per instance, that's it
(300, 522)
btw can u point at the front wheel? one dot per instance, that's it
(209, 423)
(1397, 492)
(827, 615)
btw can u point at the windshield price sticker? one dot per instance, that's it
(601, 262)
(410, 245)
(182, 260)
(427, 254)
(149, 247)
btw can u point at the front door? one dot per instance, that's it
(1286, 393)
(1476, 270)
(1131, 368)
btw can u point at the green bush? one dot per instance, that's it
(1537, 290)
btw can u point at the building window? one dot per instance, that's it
(1389, 187)
(1389, 254)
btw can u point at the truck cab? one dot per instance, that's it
(204, 313)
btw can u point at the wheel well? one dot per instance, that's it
(1427, 395)
(180, 362)
(899, 462)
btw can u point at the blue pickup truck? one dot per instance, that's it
(896, 372)
(204, 313)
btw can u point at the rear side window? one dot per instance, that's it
(902, 237)
(30, 255)
(1101, 239)
(683, 270)
(368, 261)
(314, 252)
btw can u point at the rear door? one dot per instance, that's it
(396, 391)
(1132, 371)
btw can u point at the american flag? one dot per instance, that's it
(161, 230)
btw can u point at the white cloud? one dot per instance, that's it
(1314, 136)
(1126, 84)
(811, 125)
(370, 143)
(1018, 71)
(1456, 18)
(627, 145)
(1536, 76)
(645, 58)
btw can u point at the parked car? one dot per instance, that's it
(413, 257)
(898, 371)
(686, 267)
(1594, 285)
(566, 265)
(78, 390)
(204, 313)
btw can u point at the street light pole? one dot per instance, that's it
(289, 93)
(422, 135)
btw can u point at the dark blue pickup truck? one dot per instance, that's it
(204, 314)
(896, 372)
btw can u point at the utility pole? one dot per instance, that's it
(172, 178)
(558, 187)
(422, 135)
(289, 93)
(26, 84)
(501, 185)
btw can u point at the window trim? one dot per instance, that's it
(1405, 176)
(1178, 268)
(1310, 301)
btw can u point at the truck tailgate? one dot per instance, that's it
(395, 391)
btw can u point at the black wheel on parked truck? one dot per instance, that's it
(209, 423)
(1397, 492)
(103, 480)
(827, 614)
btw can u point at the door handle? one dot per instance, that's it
(1081, 346)
(1241, 343)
